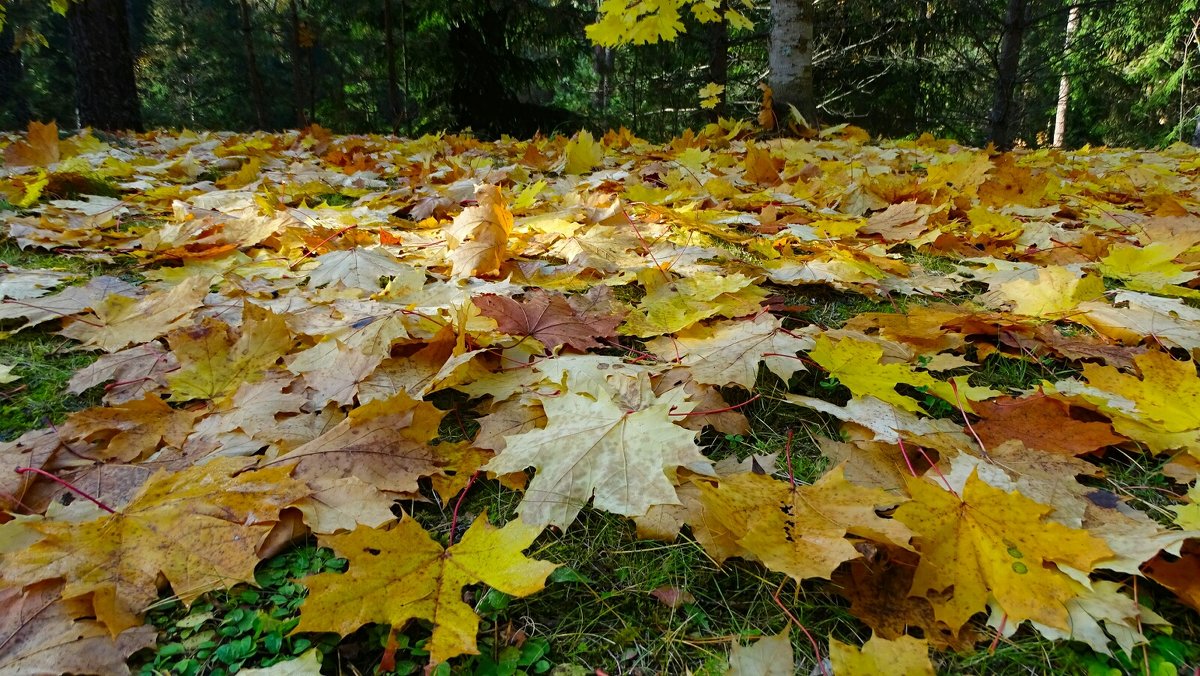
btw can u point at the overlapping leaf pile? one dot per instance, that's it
(304, 295)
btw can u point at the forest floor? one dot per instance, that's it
(620, 603)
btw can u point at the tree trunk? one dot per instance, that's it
(257, 98)
(14, 107)
(718, 62)
(603, 62)
(1196, 134)
(389, 53)
(105, 88)
(1064, 83)
(1007, 71)
(791, 58)
(297, 69)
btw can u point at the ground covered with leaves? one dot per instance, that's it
(304, 403)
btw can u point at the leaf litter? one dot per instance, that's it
(598, 299)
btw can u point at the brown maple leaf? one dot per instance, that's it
(40, 633)
(1042, 423)
(554, 319)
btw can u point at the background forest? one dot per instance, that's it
(520, 66)
(899, 68)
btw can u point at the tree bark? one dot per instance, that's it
(389, 54)
(14, 107)
(105, 88)
(1007, 72)
(791, 58)
(1196, 134)
(257, 98)
(718, 62)
(297, 68)
(1064, 83)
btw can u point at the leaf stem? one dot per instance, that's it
(320, 244)
(787, 452)
(816, 648)
(67, 484)
(718, 410)
(454, 514)
(958, 400)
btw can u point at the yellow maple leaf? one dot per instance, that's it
(636, 22)
(1160, 409)
(582, 153)
(478, 237)
(199, 528)
(133, 430)
(1149, 268)
(1188, 516)
(710, 95)
(672, 306)
(902, 656)
(801, 530)
(1055, 292)
(401, 574)
(992, 544)
(857, 364)
(215, 360)
(119, 321)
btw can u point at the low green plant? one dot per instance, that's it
(246, 626)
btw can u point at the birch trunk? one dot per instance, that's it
(1064, 84)
(791, 58)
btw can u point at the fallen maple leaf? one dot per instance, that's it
(119, 321)
(1161, 409)
(801, 530)
(675, 305)
(593, 447)
(729, 352)
(136, 371)
(402, 574)
(1042, 423)
(902, 656)
(39, 149)
(857, 365)
(385, 444)
(40, 633)
(989, 543)
(215, 360)
(554, 319)
(130, 431)
(118, 558)
(478, 237)
(358, 268)
(768, 656)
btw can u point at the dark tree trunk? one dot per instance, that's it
(1196, 134)
(257, 98)
(389, 53)
(717, 37)
(1002, 118)
(14, 107)
(297, 68)
(105, 88)
(604, 63)
(791, 59)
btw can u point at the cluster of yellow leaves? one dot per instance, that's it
(597, 298)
